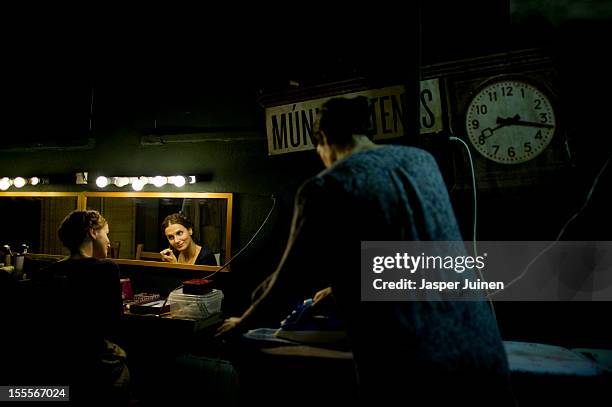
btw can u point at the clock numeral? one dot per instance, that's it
(527, 147)
(537, 103)
(482, 109)
(511, 152)
(544, 117)
(538, 135)
(481, 139)
(475, 124)
(507, 91)
(492, 96)
(496, 147)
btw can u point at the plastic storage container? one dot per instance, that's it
(195, 306)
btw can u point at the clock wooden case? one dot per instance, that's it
(510, 121)
(507, 109)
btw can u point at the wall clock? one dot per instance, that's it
(510, 121)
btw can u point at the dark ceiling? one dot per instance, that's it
(145, 65)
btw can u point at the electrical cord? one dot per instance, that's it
(553, 243)
(467, 148)
(273, 197)
(473, 189)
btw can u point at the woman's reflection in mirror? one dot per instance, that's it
(178, 229)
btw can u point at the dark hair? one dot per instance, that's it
(74, 228)
(176, 218)
(340, 118)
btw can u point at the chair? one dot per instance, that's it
(142, 255)
(115, 246)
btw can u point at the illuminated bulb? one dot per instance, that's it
(19, 182)
(5, 183)
(34, 181)
(192, 179)
(122, 181)
(101, 182)
(159, 181)
(137, 184)
(179, 181)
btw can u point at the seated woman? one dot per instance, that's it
(75, 309)
(178, 229)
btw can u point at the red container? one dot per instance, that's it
(126, 289)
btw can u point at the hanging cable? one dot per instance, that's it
(553, 243)
(473, 189)
(473, 173)
(250, 241)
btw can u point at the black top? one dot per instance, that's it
(206, 257)
(74, 306)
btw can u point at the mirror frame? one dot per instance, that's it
(82, 205)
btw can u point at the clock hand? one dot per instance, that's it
(488, 132)
(506, 121)
(516, 120)
(501, 122)
(531, 124)
(511, 121)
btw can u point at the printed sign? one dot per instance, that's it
(289, 127)
(430, 103)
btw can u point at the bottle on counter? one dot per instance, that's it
(19, 259)
(8, 255)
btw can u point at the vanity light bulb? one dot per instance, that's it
(5, 183)
(19, 182)
(122, 181)
(179, 181)
(192, 179)
(159, 181)
(34, 181)
(137, 184)
(101, 182)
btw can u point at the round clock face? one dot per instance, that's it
(510, 121)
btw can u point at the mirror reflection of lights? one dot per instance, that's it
(159, 181)
(121, 181)
(5, 183)
(102, 182)
(137, 184)
(19, 182)
(34, 181)
(179, 181)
